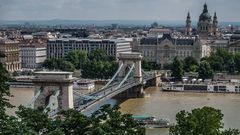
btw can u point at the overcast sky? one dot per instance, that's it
(227, 10)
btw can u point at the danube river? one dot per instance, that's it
(166, 105)
(161, 105)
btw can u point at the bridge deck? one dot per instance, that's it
(107, 93)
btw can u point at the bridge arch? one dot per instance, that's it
(127, 60)
(53, 85)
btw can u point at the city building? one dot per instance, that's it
(188, 25)
(33, 55)
(59, 48)
(11, 52)
(219, 44)
(206, 26)
(234, 47)
(154, 32)
(163, 50)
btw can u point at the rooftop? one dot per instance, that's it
(88, 40)
(53, 73)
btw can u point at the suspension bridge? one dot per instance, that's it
(54, 90)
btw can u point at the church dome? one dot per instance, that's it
(205, 15)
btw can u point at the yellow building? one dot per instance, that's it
(10, 49)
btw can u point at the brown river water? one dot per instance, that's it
(162, 105)
(167, 105)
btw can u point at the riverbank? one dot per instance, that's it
(167, 104)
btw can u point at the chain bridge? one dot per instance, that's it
(54, 90)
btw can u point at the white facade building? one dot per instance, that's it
(59, 48)
(33, 56)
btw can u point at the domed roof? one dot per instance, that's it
(205, 15)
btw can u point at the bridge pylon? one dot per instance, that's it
(50, 83)
(128, 59)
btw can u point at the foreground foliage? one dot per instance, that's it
(106, 121)
(204, 121)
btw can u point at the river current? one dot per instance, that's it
(168, 104)
(162, 105)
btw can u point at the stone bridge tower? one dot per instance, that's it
(127, 59)
(50, 83)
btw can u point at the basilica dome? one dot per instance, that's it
(205, 15)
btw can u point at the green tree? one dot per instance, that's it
(146, 65)
(190, 64)
(107, 120)
(237, 62)
(98, 55)
(4, 90)
(204, 70)
(59, 64)
(204, 121)
(231, 65)
(226, 56)
(35, 119)
(231, 132)
(8, 124)
(177, 69)
(216, 62)
(51, 63)
(77, 58)
(67, 66)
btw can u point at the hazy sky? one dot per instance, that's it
(227, 10)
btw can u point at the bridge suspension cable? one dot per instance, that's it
(115, 75)
(145, 73)
(82, 95)
(53, 103)
(125, 78)
(31, 103)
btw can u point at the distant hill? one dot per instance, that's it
(106, 22)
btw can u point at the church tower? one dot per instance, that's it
(215, 24)
(205, 23)
(188, 25)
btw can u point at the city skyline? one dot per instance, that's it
(116, 9)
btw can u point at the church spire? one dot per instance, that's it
(215, 15)
(188, 25)
(188, 16)
(205, 9)
(215, 24)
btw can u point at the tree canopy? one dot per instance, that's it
(190, 64)
(200, 121)
(177, 69)
(77, 58)
(106, 121)
(97, 65)
(205, 71)
(58, 63)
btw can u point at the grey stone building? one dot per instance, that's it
(163, 50)
(206, 25)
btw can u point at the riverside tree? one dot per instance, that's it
(201, 121)
(190, 64)
(204, 70)
(177, 69)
